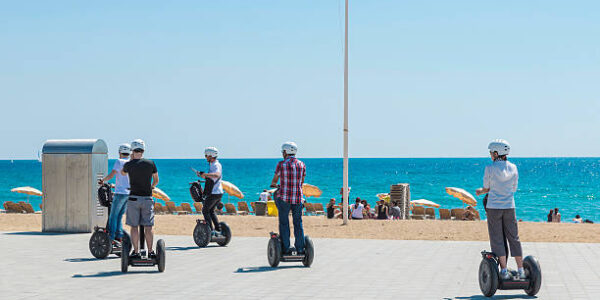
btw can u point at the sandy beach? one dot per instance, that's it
(318, 226)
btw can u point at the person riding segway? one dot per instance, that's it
(290, 173)
(116, 208)
(143, 177)
(210, 229)
(500, 184)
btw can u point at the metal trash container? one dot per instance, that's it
(70, 173)
(260, 208)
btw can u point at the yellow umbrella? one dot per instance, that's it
(27, 190)
(310, 190)
(384, 196)
(159, 194)
(463, 195)
(231, 189)
(424, 202)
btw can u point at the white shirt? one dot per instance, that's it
(264, 196)
(122, 181)
(502, 178)
(357, 211)
(215, 167)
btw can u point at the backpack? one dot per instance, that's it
(105, 195)
(196, 191)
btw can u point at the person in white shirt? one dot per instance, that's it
(215, 172)
(357, 210)
(500, 183)
(119, 203)
(264, 196)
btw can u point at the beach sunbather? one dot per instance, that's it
(556, 216)
(382, 210)
(357, 210)
(119, 203)
(290, 173)
(143, 177)
(500, 182)
(211, 203)
(331, 209)
(578, 219)
(395, 211)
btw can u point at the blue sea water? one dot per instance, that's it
(571, 184)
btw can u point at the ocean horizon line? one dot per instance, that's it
(333, 157)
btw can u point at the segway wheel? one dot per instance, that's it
(124, 239)
(160, 255)
(226, 231)
(202, 235)
(488, 277)
(309, 252)
(125, 256)
(534, 273)
(100, 245)
(274, 252)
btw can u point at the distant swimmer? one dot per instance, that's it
(500, 182)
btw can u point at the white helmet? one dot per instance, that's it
(125, 148)
(290, 148)
(211, 151)
(138, 144)
(500, 146)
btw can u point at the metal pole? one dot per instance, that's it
(345, 192)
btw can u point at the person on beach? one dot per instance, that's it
(470, 214)
(119, 203)
(290, 172)
(143, 178)
(357, 210)
(550, 215)
(577, 219)
(395, 211)
(500, 182)
(382, 210)
(556, 216)
(215, 173)
(331, 209)
(264, 196)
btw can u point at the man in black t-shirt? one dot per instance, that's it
(143, 177)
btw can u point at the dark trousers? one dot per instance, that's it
(284, 224)
(208, 210)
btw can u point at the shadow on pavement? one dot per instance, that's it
(264, 269)
(109, 274)
(40, 233)
(477, 297)
(175, 248)
(89, 259)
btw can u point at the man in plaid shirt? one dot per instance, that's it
(290, 172)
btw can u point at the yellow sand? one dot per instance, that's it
(320, 227)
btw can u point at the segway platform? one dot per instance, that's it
(275, 253)
(101, 246)
(203, 234)
(490, 280)
(145, 260)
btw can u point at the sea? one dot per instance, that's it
(570, 184)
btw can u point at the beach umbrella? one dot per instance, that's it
(27, 190)
(231, 189)
(384, 196)
(463, 195)
(424, 202)
(310, 190)
(159, 194)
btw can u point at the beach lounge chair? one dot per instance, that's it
(260, 208)
(159, 209)
(430, 213)
(445, 214)
(198, 207)
(477, 217)
(230, 209)
(14, 208)
(253, 205)
(243, 207)
(187, 208)
(319, 208)
(172, 209)
(310, 210)
(457, 213)
(418, 213)
(27, 208)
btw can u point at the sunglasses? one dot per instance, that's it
(138, 150)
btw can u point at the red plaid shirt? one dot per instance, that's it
(291, 171)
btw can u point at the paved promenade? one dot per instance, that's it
(60, 266)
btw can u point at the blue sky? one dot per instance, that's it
(427, 78)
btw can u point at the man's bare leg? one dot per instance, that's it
(135, 238)
(149, 234)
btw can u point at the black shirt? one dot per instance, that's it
(140, 176)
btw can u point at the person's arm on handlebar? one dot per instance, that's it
(274, 181)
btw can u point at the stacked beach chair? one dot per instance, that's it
(400, 193)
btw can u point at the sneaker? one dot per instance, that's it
(116, 244)
(135, 256)
(152, 255)
(504, 275)
(522, 274)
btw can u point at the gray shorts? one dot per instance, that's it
(140, 211)
(503, 222)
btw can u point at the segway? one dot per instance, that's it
(100, 244)
(489, 273)
(145, 260)
(275, 253)
(203, 233)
